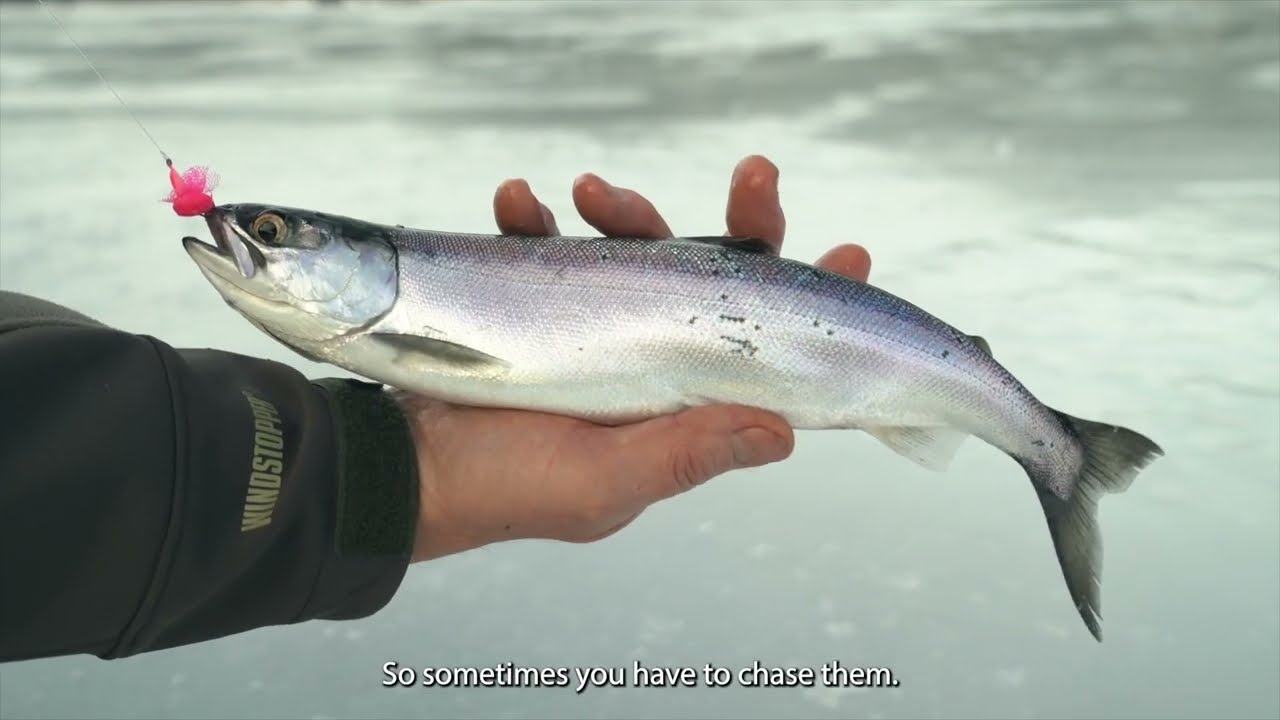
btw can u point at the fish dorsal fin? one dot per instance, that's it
(982, 343)
(755, 245)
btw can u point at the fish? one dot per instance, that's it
(615, 330)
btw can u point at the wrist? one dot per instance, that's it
(376, 494)
(438, 531)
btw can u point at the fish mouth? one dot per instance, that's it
(232, 247)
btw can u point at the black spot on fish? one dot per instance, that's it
(757, 327)
(946, 353)
(724, 296)
(815, 323)
(814, 274)
(693, 319)
(1038, 443)
(830, 333)
(744, 346)
(715, 272)
(604, 255)
(579, 349)
(733, 318)
(1051, 446)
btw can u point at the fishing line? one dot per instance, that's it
(191, 189)
(94, 68)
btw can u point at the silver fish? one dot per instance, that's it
(615, 330)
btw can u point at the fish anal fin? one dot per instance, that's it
(929, 447)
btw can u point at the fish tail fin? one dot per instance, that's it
(1113, 457)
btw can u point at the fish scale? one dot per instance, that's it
(615, 330)
(753, 283)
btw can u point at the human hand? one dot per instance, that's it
(489, 475)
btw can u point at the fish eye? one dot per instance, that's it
(269, 228)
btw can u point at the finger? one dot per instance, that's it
(666, 456)
(615, 211)
(518, 212)
(754, 209)
(850, 260)
(612, 529)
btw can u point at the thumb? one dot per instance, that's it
(669, 455)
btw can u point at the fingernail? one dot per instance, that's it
(756, 446)
(750, 167)
(614, 192)
(548, 220)
(738, 172)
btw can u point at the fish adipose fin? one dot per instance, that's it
(929, 447)
(982, 343)
(1113, 456)
(414, 348)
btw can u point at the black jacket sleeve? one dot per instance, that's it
(153, 497)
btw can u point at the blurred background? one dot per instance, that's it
(1092, 186)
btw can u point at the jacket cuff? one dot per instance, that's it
(376, 509)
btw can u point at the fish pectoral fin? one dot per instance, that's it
(929, 447)
(415, 348)
(982, 343)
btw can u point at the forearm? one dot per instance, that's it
(153, 497)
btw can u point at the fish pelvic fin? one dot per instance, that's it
(1113, 457)
(932, 448)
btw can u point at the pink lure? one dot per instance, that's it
(191, 190)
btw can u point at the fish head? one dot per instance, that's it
(301, 276)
